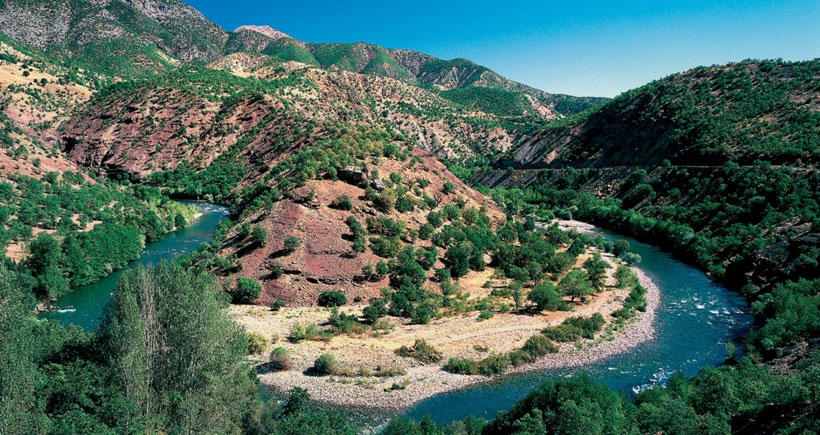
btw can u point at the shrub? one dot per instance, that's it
(342, 322)
(373, 312)
(280, 359)
(291, 243)
(421, 351)
(325, 365)
(461, 366)
(538, 346)
(247, 289)
(257, 343)
(300, 332)
(563, 333)
(342, 202)
(493, 364)
(484, 316)
(276, 270)
(332, 299)
(277, 305)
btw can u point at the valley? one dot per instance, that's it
(366, 227)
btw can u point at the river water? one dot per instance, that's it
(695, 320)
(84, 305)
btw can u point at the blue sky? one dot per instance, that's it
(596, 48)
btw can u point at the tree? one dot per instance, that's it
(596, 270)
(260, 236)
(374, 311)
(45, 262)
(247, 289)
(448, 187)
(176, 354)
(459, 258)
(621, 247)
(575, 284)
(291, 243)
(19, 377)
(545, 297)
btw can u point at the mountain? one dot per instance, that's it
(139, 38)
(458, 80)
(130, 38)
(717, 163)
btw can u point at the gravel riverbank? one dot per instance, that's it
(422, 382)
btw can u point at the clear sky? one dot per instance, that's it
(577, 47)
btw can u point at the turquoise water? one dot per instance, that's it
(696, 319)
(84, 305)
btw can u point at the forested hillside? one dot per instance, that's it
(716, 164)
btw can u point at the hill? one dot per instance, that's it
(717, 163)
(120, 38)
(477, 85)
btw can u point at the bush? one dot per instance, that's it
(342, 202)
(277, 305)
(280, 359)
(247, 289)
(420, 351)
(342, 322)
(332, 299)
(325, 365)
(276, 270)
(291, 243)
(485, 315)
(461, 366)
(563, 333)
(538, 346)
(300, 332)
(493, 364)
(257, 343)
(373, 312)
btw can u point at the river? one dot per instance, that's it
(84, 305)
(695, 320)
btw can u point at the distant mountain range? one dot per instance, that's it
(140, 38)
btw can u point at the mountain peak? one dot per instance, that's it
(268, 31)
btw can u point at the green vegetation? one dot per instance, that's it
(332, 299)
(247, 289)
(280, 359)
(497, 101)
(421, 351)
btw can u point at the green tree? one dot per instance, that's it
(596, 270)
(45, 261)
(545, 297)
(575, 284)
(20, 412)
(176, 354)
(260, 236)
